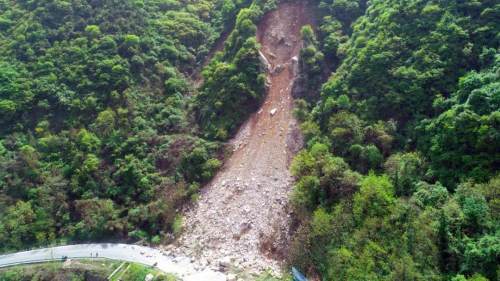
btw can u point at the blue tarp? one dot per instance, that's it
(297, 276)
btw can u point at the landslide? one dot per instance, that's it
(242, 216)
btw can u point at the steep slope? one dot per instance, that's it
(242, 215)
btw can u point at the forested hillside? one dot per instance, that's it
(98, 138)
(399, 178)
(103, 135)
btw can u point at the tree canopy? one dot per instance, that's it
(98, 137)
(409, 116)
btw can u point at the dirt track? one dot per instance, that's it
(242, 215)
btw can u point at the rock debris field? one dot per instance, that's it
(242, 217)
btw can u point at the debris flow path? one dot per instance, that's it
(242, 218)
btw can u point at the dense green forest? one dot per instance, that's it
(99, 135)
(399, 178)
(104, 137)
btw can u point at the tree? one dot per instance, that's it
(463, 136)
(482, 256)
(345, 130)
(405, 171)
(234, 85)
(98, 218)
(433, 195)
(310, 67)
(91, 94)
(374, 199)
(93, 31)
(16, 226)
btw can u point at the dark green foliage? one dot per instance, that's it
(321, 178)
(412, 111)
(310, 67)
(462, 142)
(234, 84)
(96, 138)
(395, 67)
(344, 11)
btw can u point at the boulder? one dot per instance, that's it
(149, 277)
(264, 61)
(278, 68)
(224, 264)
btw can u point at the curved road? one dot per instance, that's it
(182, 267)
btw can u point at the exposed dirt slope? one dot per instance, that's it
(243, 214)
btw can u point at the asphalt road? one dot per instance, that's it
(182, 267)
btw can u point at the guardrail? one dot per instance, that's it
(69, 243)
(70, 258)
(297, 276)
(49, 260)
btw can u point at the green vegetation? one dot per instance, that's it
(82, 271)
(311, 67)
(263, 276)
(234, 82)
(98, 139)
(103, 136)
(399, 177)
(136, 272)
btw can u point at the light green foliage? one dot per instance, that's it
(405, 171)
(475, 277)
(345, 130)
(395, 71)
(300, 111)
(433, 195)
(93, 31)
(15, 91)
(15, 226)
(135, 273)
(91, 163)
(88, 141)
(374, 199)
(198, 166)
(210, 167)
(321, 178)
(177, 225)
(482, 255)
(105, 122)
